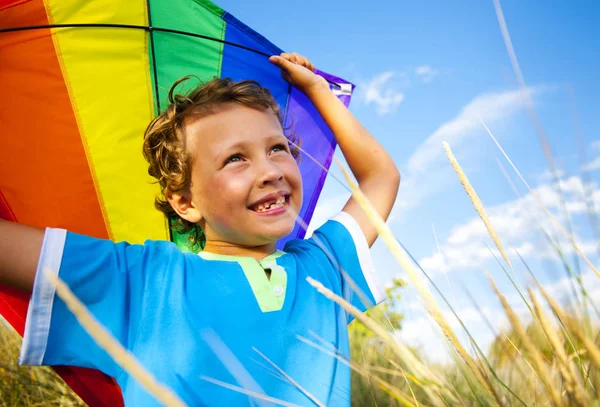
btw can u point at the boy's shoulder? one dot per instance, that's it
(81, 251)
(339, 230)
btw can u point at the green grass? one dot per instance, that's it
(29, 386)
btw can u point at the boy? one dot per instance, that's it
(226, 167)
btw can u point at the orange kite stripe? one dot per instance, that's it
(32, 71)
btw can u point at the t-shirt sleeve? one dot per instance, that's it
(348, 252)
(109, 279)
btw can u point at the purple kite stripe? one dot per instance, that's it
(318, 141)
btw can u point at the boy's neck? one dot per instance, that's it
(230, 249)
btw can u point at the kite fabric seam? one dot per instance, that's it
(131, 26)
(231, 19)
(145, 28)
(222, 50)
(154, 69)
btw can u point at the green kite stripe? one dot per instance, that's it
(177, 56)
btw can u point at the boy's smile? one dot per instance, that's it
(246, 188)
(272, 204)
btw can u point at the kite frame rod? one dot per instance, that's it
(131, 26)
(141, 27)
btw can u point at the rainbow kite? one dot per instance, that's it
(79, 82)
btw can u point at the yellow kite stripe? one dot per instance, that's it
(107, 71)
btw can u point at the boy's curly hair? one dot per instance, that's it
(164, 146)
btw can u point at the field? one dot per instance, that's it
(547, 355)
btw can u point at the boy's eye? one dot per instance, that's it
(279, 147)
(234, 159)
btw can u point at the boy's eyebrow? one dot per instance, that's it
(278, 136)
(243, 143)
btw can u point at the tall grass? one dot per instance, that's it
(554, 358)
(23, 386)
(549, 357)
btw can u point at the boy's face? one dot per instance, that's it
(245, 184)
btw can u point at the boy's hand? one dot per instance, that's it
(298, 71)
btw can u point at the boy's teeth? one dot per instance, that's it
(262, 207)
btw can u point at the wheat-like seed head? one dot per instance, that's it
(476, 201)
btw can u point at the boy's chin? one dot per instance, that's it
(273, 236)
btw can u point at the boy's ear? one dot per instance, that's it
(182, 203)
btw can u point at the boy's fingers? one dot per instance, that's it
(302, 60)
(307, 64)
(280, 62)
(286, 56)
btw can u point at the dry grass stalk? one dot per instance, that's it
(536, 357)
(529, 380)
(519, 74)
(353, 286)
(400, 350)
(575, 391)
(591, 348)
(290, 379)
(516, 348)
(105, 340)
(249, 392)
(430, 302)
(476, 201)
(412, 393)
(542, 206)
(400, 395)
(411, 378)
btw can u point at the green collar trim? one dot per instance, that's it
(269, 293)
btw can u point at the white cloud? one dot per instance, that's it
(489, 107)
(547, 175)
(473, 255)
(426, 73)
(422, 332)
(381, 93)
(423, 176)
(592, 165)
(517, 223)
(562, 288)
(383, 90)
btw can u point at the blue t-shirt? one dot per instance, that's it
(195, 321)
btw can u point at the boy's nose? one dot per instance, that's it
(269, 173)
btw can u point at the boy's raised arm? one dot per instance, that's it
(20, 247)
(371, 165)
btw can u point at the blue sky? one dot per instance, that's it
(427, 72)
